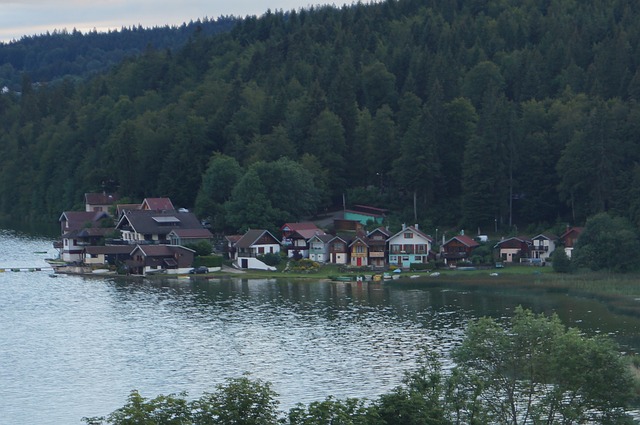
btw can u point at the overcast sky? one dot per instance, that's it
(32, 17)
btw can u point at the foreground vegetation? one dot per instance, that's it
(532, 370)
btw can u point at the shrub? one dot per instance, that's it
(201, 248)
(208, 261)
(270, 259)
(560, 262)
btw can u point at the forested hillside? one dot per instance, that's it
(62, 54)
(464, 113)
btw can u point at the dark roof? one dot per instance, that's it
(87, 232)
(338, 237)
(100, 198)
(305, 229)
(361, 239)
(545, 236)
(570, 230)
(382, 230)
(159, 222)
(509, 241)
(305, 225)
(78, 219)
(251, 237)
(325, 237)
(193, 233)
(233, 238)
(360, 207)
(464, 239)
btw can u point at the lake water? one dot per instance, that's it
(73, 347)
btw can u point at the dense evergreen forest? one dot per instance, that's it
(62, 54)
(476, 113)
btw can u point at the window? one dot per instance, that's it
(408, 235)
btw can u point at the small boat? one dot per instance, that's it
(342, 278)
(55, 262)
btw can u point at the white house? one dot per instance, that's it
(409, 246)
(254, 243)
(543, 246)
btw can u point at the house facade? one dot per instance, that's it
(150, 259)
(569, 239)
(359, 251)
(97, 202)
(377, 239)
(513, 250)
(107, 255)
(409, 246)
(190, 236)
(252, 244)
(319, 248)
(338, 250)
(154, 226)
(80, 229)
(296, 236)
(457, 249)
(543, 246)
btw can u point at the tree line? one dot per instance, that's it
(54, 56)
(473, 114)
(531, 370)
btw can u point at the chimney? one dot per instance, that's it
(417, 226)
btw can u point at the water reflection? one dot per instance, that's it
(74, 347)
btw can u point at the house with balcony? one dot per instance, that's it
(80, 229)
(253, 244)
(296, 236)
(514, 249)
(377, 239)
(543, 246)
(319, 247)
(409, 246)
(112, 255)
(154, 226)
(152, 259)
(457, 249)
(359, 251)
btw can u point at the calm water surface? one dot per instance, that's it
(72, 347)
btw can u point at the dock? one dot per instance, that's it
(26, 269)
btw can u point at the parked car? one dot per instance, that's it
(199, 270)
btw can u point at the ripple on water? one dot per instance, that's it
(73, 347)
